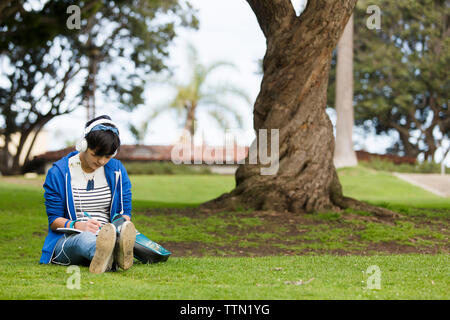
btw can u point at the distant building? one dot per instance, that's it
(366, 156)
(220, 159)
(217, 159)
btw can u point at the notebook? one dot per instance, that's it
(68, 230)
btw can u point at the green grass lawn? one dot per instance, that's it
(382, 188)
(216, 275)
(170, 191)
(324, 277)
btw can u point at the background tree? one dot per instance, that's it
(119, 60)
(41, 63)
(27, 27)
(402, 76)
(293, 99)
(8, 8)
(197, 94)
(344, 154)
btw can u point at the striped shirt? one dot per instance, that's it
(95, 202)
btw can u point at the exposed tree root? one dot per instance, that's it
(228, 202)
(280, 196)
(350, 203)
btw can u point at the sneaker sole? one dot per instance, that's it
(127, 239)
(104, 248)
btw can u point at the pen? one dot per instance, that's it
(87, 215)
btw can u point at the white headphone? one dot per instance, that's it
(82, 144)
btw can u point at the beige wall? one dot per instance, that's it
(40, 145)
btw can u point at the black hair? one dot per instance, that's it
(104, 143)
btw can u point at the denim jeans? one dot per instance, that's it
(75, 249)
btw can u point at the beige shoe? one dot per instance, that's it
(104, 248)
(124, 251)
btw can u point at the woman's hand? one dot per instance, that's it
(91, 225)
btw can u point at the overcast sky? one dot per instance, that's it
(228, 32)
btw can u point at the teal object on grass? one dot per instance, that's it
(148, 251)
(145, 250)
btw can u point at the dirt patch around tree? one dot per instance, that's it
(267, 233)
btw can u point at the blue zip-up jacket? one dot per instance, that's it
(59, 200)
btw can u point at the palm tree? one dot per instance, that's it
(197, 95)
(139, 131)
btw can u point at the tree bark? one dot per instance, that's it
(292, 99)
(344, 155)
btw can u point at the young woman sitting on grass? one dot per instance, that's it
(88, 204)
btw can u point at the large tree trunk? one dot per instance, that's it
(344, 154)
(293, 99)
